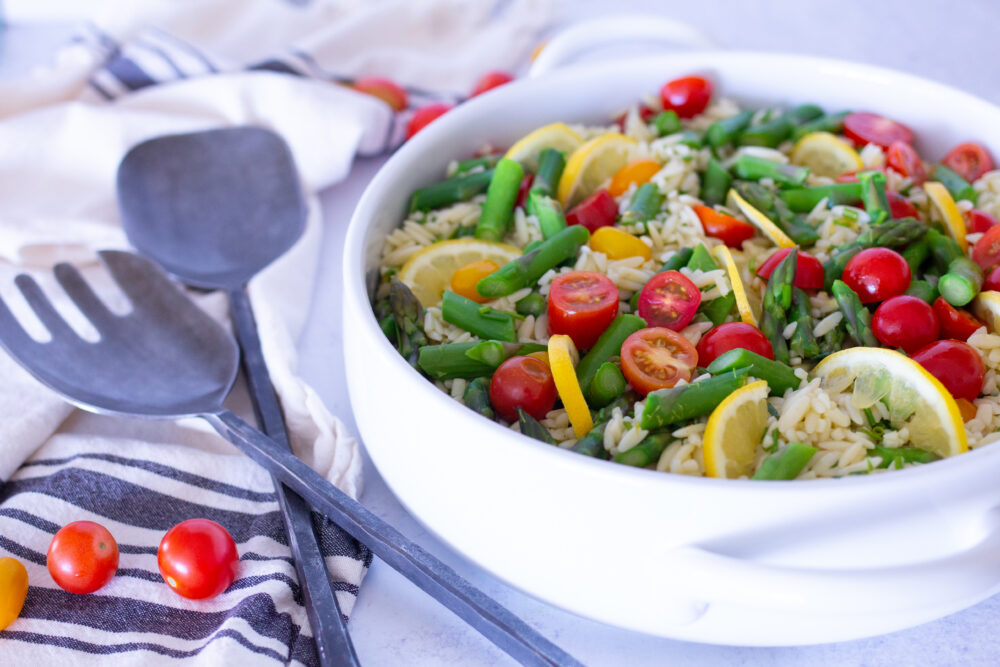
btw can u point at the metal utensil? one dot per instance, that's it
(166, 359)
(214, 208)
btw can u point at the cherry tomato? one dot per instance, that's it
(730, 336)
(386, 90)
(524, 382)
(905, 321)
(198, 559)
(491, 80)
(808, 271)
(979, 221)
(465, 278)
(970, 160)
(955, 322)
(731, 231)
(645, 113)
(82, 557)
(618, 244)
(657, 358)
(863, 128)
(903, 158)
(900, 206)
(13, 590)
(688, 95)
(634, 173)
(522, 192)
(423, 117)
(670, 300)
(581, 305)
(877, 274)
(956, 364)
(992, 281)
(986, 252)
(596, 211)
(967, 408)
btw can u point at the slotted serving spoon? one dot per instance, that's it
(167, 359)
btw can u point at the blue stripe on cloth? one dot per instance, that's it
(275, 65)
(129, 73)
(163, 55)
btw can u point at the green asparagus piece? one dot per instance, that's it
(833, 123)
(608, 346)
(803, 113)
(479, 320)
(724, 132)
(485, 162)
(944, 249)
(463, 232)
(701, 259)
(667, 122)
(779, 377)
(531, 428)
(719, 308)
(777, 301)
(922, 290)
(803, 200)
(633, 302)
(477, 397)
(470, 359)
(873, 195)
(409, 316)
(607, 385)
(771, 205)
(454, 190)
(894, 234)
(533, 304)
(832, 340)
(645, 204)
(607, 412)
(678, 260)
(769, 134)
(690, 138)
(665, 407)
(786, 464)
(549, 212)
(647, 452)
(898, 456)
(531, 246)
(962, 282)
(803, 343)
(915, 254)
(958, 187)
(592, 444)
(501, 195)
(715, 183)
(753, 168)
(550, 168)
(388, 326)
(857, 318)
(529, 267)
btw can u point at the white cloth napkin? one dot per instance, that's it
(162, 68)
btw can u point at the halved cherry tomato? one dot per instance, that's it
(979, 221)
(688, 95)
(900, 206)
(730, 336)
(731, 231)
(386, 90)
(645, 113)
(863, 128)
(992, 281)
(970, 160)
(82, 557)
(524, 382)
(669, 299)
(903, 158)
(522, 192)
(877, 274)
(808, 271)
(956, 364)
(596, 211)
(491, 80)
(198, 559)
(581, 305)
(955, 322)
(637, 173)
(424, 116)
(986, 252)
(463, 281)
(657, 358)
(905, 321)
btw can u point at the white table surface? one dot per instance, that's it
(396, 624)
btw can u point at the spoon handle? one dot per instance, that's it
(496, 623)
(329, 628)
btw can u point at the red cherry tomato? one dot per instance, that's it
(905, 321)
(524, 382)
(645, 113)
(808, 270)
(729, 230)
(522, 192)
(979, 221)
(877, 274)
(82, 557)
(688, 95)
(970, 160)
(900, 206)
(955, 322)
(730, 336)
(198, 559)
(903, 158)
(669, 299)
(491, 80)
(386, 90)
(423, 117)
(956, 364)
(992, 281)
(581, 305)
(596, 211)
(986, 252)
(863, 128)
(657, 358)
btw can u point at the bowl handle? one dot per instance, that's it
(609, 30)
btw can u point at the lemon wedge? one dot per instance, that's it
(723, 254)
(826, 155)
(759, 220)
(734, 431)
(428, 272)
(593, 163)
(915, 398)
(561, 353)
(948, 211)
(529, 147)
(986, 307)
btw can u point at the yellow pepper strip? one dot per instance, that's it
(723, 254)
(617, 244)
(950, 215)
(561, 350)
(759, 220)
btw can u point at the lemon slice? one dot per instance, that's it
(723, 254)
(734, 430)
(826, 155)
(428, 272)
(529, 147)
(592, 164)
(946, 208)
(915, 398)
(759, 220)
(561, 352)
(986, 307)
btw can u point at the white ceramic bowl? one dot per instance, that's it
(736, 562)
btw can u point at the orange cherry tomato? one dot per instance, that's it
(13, 590)
(657, 358)
(634, 173)
(463, 281)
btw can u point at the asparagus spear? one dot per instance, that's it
(665, 407)
(592, 444)
(958, 187)
(607, 385)
(646, 452)
(944, 249)
(769, 134)
(477, 319)
(802, 343)
(533, 304)
(715, 183)
(701, 259)
(667, 122)
(470, 359)
(896, 234)
(915, 254)
(454, 190)
(753, 168)
(777, 301)
(645, 204)
(802, 114)
(607, 412)
(550, 168)
(779, 377)
(529, 267)
(922, 290)
(409, 316)
(501, 195)
(962, 282)
(388, 326)
(719, 308)
(531, 428)
(786, 464)
(549, 212)
(677, 260)
(873, 195)
(832, 340)
(771, 205)
(803, 200)
(477, 397)
(833, 122)
(897, 456)
(485, 162)
(724, 132)
(858, 319)
(608, 345)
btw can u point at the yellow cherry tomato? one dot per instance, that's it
(617, 244)
(13, 590)
(637, 172)
(463, 281)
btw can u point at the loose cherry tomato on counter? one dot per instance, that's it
(969, 160)
(992, 281)
(463, 281)
(491, 80)
(424, 116)
(900, 206)
(524, 382)
(863, 128)
(877, 274)
(198, 559)
(979, 222)
(13, 590)
(731, 231)
(905, 321)
(657, 358)
(902, 158)
(688, 95)
(524, 189)
(596, 211)
(634, 173)
(82, 557)
(955, 322)
(386, 90)
(581, 305)
(669, 299)
(986, 252)
(808, 271)
(957, 365)
(731, 336)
